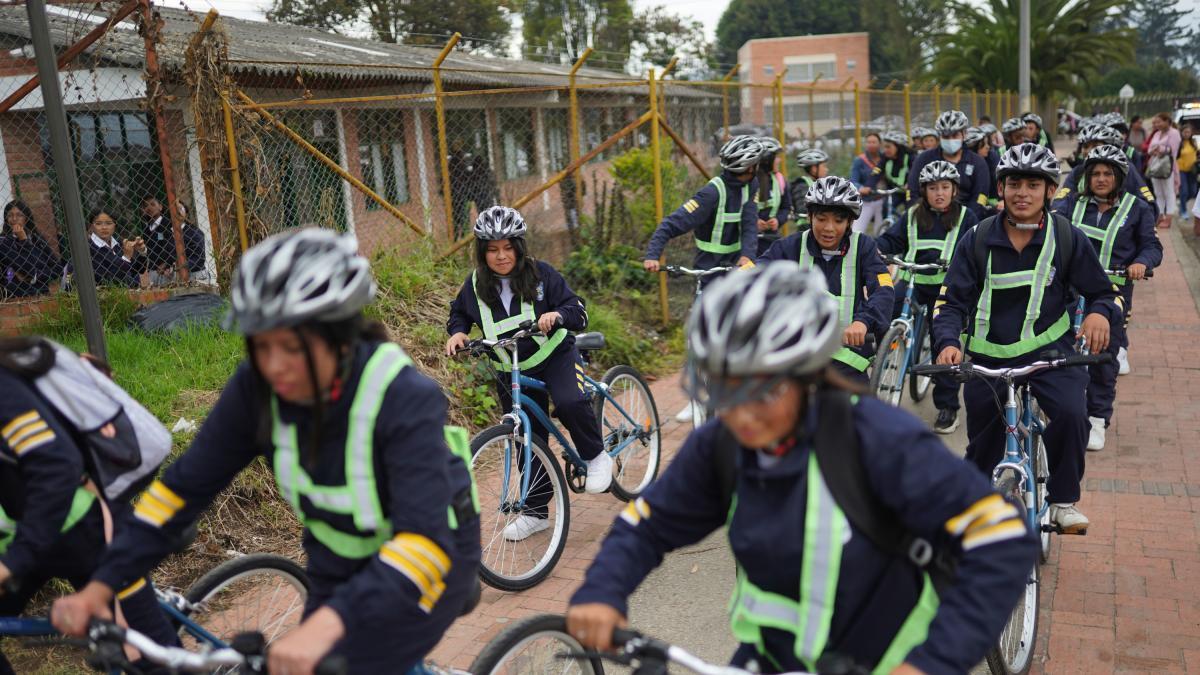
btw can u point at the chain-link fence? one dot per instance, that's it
(1140, 105)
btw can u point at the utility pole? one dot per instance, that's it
(1023, 57)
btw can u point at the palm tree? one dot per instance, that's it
(1070, 41)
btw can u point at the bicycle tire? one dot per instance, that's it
(248, 578)
(495, 514)
(918, 385)
(620, 483)
(508, 643)
(1041, 471)
(885, 373)
(1013, 652)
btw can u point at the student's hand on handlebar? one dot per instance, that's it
(1095, 330)
(547, 321)
(593, 623)
(774, 223)
(299, 652)
(745, 263)
(650, 265)
(855, 334)
(950, 356)
(455, 343)
(71, 614)
(1136, 271)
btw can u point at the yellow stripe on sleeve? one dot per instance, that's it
(958, 524)
(1002, 531)
(32, 442)
(20, 421)
(133, 588)
(630, 515)
(167, 495)
(411, 541)
(18, 436)
(884, 279)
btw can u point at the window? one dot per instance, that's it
(769, 71)
(516, 142)
(381, 155)
(557, 138)
(851, 64)
(807, 72)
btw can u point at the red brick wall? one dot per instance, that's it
(772, 51)
(17, 316)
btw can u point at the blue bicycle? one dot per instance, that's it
(518, 477)
(262, 594)
(1021, 478)
(1077, 322)
(906, 343)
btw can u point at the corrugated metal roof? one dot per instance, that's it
(277, 49)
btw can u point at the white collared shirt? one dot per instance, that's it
(114, 245)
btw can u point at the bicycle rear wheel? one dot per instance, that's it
(918, 385)
(886, 376)
(259, 593)
(1013, 652)
(538, 644)
(513, 557)
(629, 413)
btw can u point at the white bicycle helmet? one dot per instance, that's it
(1111, 155)
(757, 327)
(811, 157)
(974, 136)
(299, 276)
(1032, 117)
(1115, 120)
(896, 138)
(988, 129)
(770, 146)
(951, 122)
(1028, 159)
(833, 192)
(921, 132)
(1098, 133)
(1011, 125)
(741, 154)
(938, 170)
(500, 222)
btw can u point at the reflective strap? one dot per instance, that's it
(913, 631)
(980, 345)
(713, 244)
(1041, 278)
(1036, 280)
(546, 347)
(848, 280)
(852, 358)
(493, 329)
(383, 367)
(81, 503)
(915, 245)
(776, 196)
(1106, 236)
(459, 442)
(294, 481)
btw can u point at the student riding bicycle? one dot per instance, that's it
(1035, 132)
(723, 215)
(897, 159)
(924, 139)
(509, 287)
(1090, 138)
(1121, 229)
(1010, 298)
(850, 263)
(928, 232)
(1013, 131)
(53, 520)
(1116, 120)
(793, 449)
(774, 199)
(973, 173)
(814, 165)
(355, 436)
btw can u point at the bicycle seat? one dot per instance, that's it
(589, 342)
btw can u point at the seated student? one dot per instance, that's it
(159, 235)
(114, 262)
(814, 165)
(774, 199)
(26, 261)
(51, 526)
(193, 247)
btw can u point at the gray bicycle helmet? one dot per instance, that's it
(951, 122)
(1028, 159)
(500, 222)
(938, 170)
(896, 138)
(921, 132)
(1115, 120)
(833, 192)
(988, 129)
(769, 145)
(741, 154)
(1011, 125)
(1111, 155)
(974, 136)
(1032, 117)
(757, 327)
(299, 276)
(1098, 133)
(811, 157)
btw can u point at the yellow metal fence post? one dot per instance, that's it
(937, 99)
(907, 109)
(439, 105)
(235, 174)
(857, 122)
(957, 98)
(777, 95)
(656, 167)
(975, 104)
(812, 109)
(725, 100)
(573, 111)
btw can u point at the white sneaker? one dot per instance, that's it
(1122, 361)
(525, 526)
(599, 474)
(1096, 437)
(1068, 519)
(685, 415)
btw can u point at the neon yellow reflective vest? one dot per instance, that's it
(916, 245)
(81, 503)
(848, 290)
(775, 197)
(721, 218)
(1107, 236)
(492, 330)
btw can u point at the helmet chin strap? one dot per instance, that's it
(1027, 226)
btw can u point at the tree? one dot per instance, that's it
(560, 30)
(900, 32)
(750, 19)
(1162, 34)
(1068, 46)
(1158, 76)
(484, 24)
(660, 35)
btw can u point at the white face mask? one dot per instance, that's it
(951, 146)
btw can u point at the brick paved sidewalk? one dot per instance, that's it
(1126, 598)
(591, 516)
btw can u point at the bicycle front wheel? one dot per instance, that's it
(1013, 652)
(922, 352)
(539, 644)
(628, 416)
(521, 539)
(1041, 472)
(887, 374)
(259, 593)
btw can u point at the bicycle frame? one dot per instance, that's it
(1018, 447)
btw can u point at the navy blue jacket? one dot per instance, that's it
(159, 235)
(40, 468)
(1136, 159)
(993, 161)
(863, 174)
(417, 478)
(907, 468)
(1074, 184)
(1136, 242)
(895, 240)
(26, 266)
(698, 215)
(110, 266)
(193, 248)
(964, 283)
(554, 295)
(974, 177)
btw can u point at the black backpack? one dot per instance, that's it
(837, 448)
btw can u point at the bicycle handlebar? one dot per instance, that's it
(885, 191)
(939, 266)
(636, 646)
(969, 369)
(478, 346)
(1120, 272)
(680, 271)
